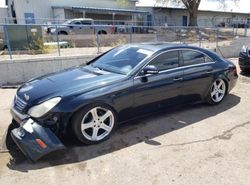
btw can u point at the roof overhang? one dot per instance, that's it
(211, 11)
(103, 10)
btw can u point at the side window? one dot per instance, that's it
(208, 59)
(86, 22)
(192, 57)
(76, 22)
(168, 60)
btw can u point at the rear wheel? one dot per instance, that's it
(62, 33)
(94, 123)
(217, 91)
(102, 32)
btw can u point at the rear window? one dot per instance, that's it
(192, 57)
(167, 60)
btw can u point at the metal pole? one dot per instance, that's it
(130, 35)
(217, 38)
(156, 36)
(98, 42)
(179, 34)
(236, 30)
(6, 35)
(245, 33)
(199, 37)
(58, 44)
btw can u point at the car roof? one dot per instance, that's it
(157, 47)
(161, 46)
(82, 19)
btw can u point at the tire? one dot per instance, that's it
(89, 125)
(244, 70)
(62, 33)
(102, 32)
(217, 92)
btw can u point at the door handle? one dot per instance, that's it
(209, 71)
(178, 78)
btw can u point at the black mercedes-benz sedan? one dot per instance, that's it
(124, 83)
(244, 59)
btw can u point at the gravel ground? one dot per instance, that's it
(194, 145)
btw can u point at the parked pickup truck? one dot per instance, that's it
(79, 26)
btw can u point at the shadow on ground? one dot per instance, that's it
(126, 135)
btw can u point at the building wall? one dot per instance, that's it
(3, 12)
(3, 15)
(43, 9)
(59, 13)
(174, 17)
(40, 9)
(215, 18)
(93, 3)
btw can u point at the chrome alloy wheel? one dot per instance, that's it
(218, 90)
(97, 123)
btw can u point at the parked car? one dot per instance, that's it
(244, 59)
(124, 83)
(79, 26)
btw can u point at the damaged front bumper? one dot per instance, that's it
(34, 140)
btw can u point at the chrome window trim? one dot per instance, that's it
(180, 67)
(176, 68)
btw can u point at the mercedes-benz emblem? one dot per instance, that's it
(26, 97)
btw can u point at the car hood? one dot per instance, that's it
(66, 83)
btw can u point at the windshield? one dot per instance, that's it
(67, 22)
(122, 59)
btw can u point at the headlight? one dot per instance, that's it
(243, 49)
(41, 109)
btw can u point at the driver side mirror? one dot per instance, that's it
(150, 69)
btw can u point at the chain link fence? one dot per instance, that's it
(43, 40)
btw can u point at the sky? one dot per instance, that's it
(242, 6)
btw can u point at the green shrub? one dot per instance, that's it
(37, 45)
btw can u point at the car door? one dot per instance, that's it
(198, 74)
(87, 27)
(164, 88)
(75, 27)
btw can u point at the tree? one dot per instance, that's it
(191, 6)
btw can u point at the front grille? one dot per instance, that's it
(19, 104)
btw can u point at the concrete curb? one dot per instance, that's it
(21, 70)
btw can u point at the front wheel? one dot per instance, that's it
(217, 92)
(94, 124)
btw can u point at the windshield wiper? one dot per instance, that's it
(109, 70)
(101, 69)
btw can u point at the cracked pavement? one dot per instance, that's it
(195, 145)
